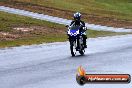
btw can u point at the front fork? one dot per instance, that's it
(73, 42)
(77, 42)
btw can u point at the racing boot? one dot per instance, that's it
(84, 41)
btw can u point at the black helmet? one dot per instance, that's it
(77, 16)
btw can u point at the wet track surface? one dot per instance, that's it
(51, 65)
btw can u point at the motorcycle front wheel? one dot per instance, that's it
(82, 52)
(73, 48)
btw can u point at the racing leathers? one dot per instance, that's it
(79, 22)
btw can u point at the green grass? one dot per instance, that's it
(33, 40)
(8, 21)
(121, 9)
(52, 38)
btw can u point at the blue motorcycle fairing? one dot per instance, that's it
(74, 30)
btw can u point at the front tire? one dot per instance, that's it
(72, 48)
(82, 52)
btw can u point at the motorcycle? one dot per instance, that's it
(76, 39)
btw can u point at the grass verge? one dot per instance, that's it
(43, 31)
(116, 13)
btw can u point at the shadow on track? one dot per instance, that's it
(79, 56)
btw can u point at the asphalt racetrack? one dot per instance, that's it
(51, 65)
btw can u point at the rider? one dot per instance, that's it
(77, 21)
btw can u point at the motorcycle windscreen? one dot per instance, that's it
(74, 29)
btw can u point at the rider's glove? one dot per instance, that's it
(85, 28)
